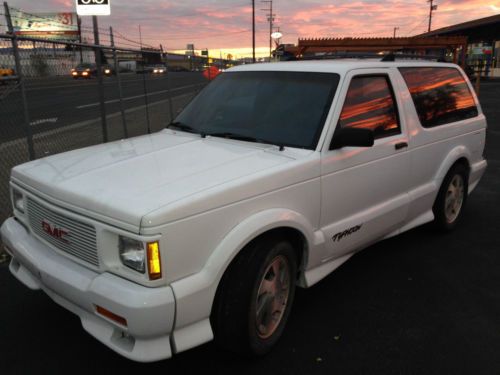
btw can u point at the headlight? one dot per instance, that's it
(155, 71)
(18, 200)
(132, 254)
(107, 71)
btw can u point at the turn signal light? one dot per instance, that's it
(154, 260)
(112, 316)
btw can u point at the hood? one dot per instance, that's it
(125, 180)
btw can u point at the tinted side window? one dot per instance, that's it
(370, 104)
(441, 95)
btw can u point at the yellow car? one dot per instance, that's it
(7, 74)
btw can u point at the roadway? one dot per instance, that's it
(60, 101)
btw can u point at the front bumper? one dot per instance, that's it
(149, 312)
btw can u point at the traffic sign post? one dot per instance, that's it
(96, 8)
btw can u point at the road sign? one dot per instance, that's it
(93, 7)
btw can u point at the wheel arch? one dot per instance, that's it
(458, 155)
(283, 222)
(195, 294)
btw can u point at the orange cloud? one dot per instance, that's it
(227, 24)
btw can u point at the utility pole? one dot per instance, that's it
(270, 18)
(253, 30)
(395, 29)
(431, 9)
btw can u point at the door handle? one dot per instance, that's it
(400, 145)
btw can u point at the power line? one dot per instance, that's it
(188, 36)
(418, 25)
(232, 7)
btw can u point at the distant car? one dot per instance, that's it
(89, 70)
(151, 69)
(159, 69)
(7, 74)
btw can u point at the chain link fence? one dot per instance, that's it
(57, 96)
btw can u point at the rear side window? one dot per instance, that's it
(370, 104)
(440, 95)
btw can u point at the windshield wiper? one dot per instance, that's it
(241, 137)
(236, 136)
(181, 126)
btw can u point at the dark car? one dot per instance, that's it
(89, 70)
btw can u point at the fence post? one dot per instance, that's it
(19, 71)
(79, 22)
(170, 107)
(146, 102)
(118, 79)
(100, 81)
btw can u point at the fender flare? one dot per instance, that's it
(195, 294)
(455, 154)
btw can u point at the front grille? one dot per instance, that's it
(79, 239)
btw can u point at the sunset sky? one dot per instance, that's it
(226, 24)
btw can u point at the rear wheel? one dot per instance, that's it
(255, 297)
(451, 198)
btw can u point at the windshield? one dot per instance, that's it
(282, 108)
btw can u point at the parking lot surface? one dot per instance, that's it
(419, 303)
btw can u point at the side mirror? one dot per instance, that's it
(352, 137)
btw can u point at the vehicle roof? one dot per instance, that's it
(339, 66)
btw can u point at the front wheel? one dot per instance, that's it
(451, 198)
(255, 297)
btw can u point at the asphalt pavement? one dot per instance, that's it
(419, 303)
(56, 102)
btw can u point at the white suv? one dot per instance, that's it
(273, 176)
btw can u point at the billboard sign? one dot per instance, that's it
(93, 7)
(55, 26)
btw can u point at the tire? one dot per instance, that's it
(250, 284)
(451, 199)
